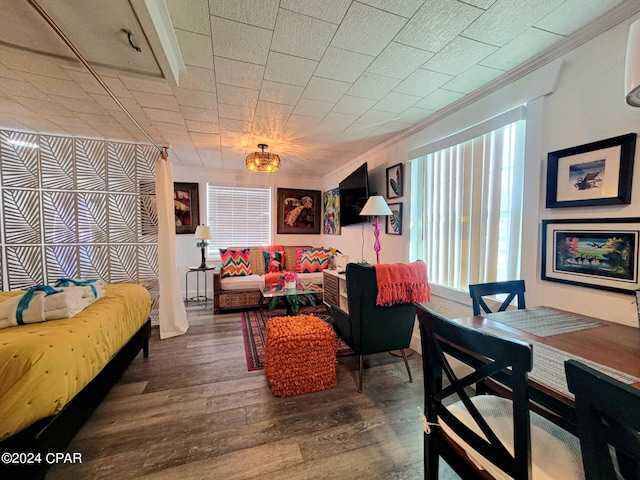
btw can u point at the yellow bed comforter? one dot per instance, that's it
(44, 365)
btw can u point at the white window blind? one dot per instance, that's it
(467, 224)
(238, 217)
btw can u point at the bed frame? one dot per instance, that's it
(53, 434)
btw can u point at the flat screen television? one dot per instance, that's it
(354, 192)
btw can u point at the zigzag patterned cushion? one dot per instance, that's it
(235, 263)
(314, 260)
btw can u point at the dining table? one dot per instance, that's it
(556, 336)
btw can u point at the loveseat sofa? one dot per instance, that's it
(242, 290)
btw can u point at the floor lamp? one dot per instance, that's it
(376, 205)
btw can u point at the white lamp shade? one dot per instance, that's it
(632, 66)
(376, 205)
(202, 232)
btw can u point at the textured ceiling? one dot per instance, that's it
(319, 81)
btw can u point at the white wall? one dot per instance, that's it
(574, 100)
(588, 105)
(571, 101)
(186, 251)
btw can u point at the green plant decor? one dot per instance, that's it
(295, 301)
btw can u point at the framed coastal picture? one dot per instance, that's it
(186, 207)
(599, 253)
(394, 221)
(298, 211)
(598, 173)
(331, 212)
(395, 181)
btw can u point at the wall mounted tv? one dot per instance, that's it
(354, 192)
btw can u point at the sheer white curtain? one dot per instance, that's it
(173, 316)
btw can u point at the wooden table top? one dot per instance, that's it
(609, 344)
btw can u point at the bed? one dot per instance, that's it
(54, 374)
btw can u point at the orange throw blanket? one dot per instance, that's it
(402, 283)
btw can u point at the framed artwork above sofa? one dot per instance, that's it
(299, 211)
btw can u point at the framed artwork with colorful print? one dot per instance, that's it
(331, 212)
(299, 211)
(597, 253)
(186, 207)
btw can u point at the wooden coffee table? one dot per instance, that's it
(303, 294)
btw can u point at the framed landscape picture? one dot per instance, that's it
(298, 211)
(598, 173)
(600, 253)
(186, 206)
(394, 221)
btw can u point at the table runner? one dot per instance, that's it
(543, 322)
(548, 364)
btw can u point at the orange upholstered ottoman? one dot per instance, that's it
(300, 355)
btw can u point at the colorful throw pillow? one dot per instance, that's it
(314, 260)
(235, 263)
(299, 255)
(274, 248)
(273, 261)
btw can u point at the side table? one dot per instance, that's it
(198, 297)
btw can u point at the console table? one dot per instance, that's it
(335, 289)
(198, 297)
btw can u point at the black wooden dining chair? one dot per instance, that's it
(513, 289)
(608, 418)
(484, 436)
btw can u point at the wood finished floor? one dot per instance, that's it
(193, 411)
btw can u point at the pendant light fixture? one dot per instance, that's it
(263, 161)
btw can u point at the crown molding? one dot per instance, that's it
(622, 12)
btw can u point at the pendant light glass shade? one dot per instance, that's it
(262, 161)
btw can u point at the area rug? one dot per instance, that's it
(254, 321)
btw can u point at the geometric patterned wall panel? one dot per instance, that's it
(76, 207)
(124, 211)
(92, 217)
(94, 262)
(91, 164)
(59, 209)
(148, 219)
(155, 307)
(56, 163)
(62, 261)
(154, 290)
(19, 163)
(24, 266)
(121, 165)
(147, 261)
(124, 263)
(21, 211)
(145, 160)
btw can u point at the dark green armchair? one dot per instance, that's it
(368, 328)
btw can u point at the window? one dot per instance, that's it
(238, 217)
(467, 224)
